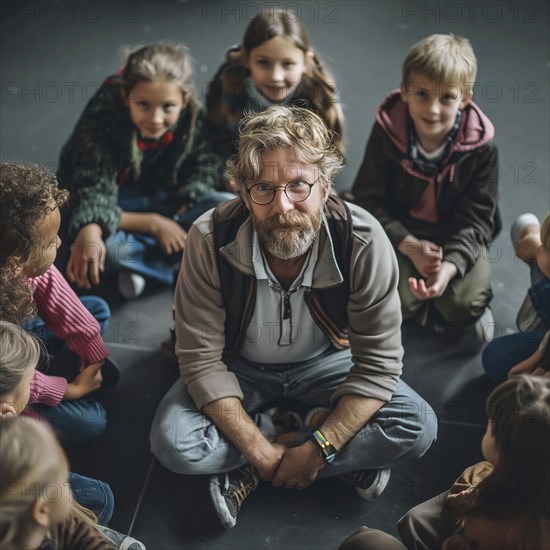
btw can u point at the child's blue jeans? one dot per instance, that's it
(80, 420)
(94, 304)
(140, 253)
(93, 494)
(502, 354)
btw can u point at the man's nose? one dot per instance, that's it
(281, 203)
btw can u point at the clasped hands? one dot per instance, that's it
(427, 258)
(294, 467)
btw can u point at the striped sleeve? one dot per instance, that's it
(47, 390)
(67, 318)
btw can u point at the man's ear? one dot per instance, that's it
(40, 513)
(467, 98)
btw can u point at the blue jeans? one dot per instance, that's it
(500, 355)
(79, 420)
(93, 494)
(187, 442)
(94, 304)
(140, 253)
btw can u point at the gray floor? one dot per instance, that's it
(53, 56)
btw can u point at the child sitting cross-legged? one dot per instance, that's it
(430, 176)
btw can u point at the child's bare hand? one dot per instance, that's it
(87, 257)
(435, 285)
(7, 410)
(169, 234)
(427, 257)
(86, 382)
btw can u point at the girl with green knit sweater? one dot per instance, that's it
(139, 172)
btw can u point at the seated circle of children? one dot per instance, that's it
(139, 172)
(430, 176)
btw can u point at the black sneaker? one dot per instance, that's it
(369, 484)
(229, 490)
(110, 373)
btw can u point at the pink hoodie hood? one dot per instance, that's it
(475, 128)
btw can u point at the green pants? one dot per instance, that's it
(464, 300)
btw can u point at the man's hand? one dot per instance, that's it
(168, 233)
(435, 285)
(86, 382)
(299, 467)
(266, 459)
(426, 256)
(87, 256)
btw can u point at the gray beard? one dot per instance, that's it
(293, 242)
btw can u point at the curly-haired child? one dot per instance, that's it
(30, 217)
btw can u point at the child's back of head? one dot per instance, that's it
(34, 489)
(517, 489)
(20, 353)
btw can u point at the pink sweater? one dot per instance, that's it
(64, 314)
(47, 390)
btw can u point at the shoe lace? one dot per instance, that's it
(240, 488)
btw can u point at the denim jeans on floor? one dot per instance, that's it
(187, 442)
(79, 421)
(94, 304)
(141, 253)
(500, 355)
(93, 494)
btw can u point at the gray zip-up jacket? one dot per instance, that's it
(374, 311)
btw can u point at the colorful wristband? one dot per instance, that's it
(327, 450)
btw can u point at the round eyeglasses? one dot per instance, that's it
(264, 193)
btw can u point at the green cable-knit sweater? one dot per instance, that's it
(103, 145)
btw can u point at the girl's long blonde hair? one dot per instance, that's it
(25, 476)
(158, 62)
(19, 353)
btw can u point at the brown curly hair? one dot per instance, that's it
(27, 193)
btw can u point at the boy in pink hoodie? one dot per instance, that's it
(430, 176)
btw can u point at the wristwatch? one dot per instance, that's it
(327, 450)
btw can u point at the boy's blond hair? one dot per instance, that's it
(545, 232)
(445, 58)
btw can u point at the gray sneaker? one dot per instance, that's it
(369, 484)
(228, 492)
